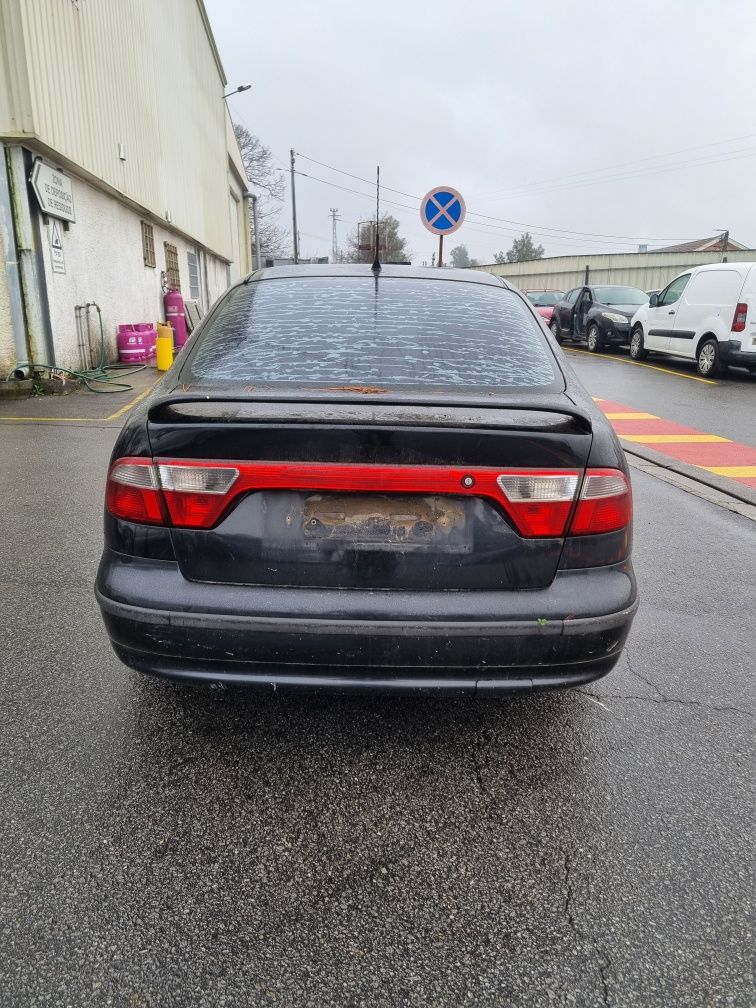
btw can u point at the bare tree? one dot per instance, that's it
(270, 190)
(393, 246)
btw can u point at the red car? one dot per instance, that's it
(544, 301)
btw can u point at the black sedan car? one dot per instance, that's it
(598, 315)
(369, 480)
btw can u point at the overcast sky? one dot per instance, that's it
(552, 117)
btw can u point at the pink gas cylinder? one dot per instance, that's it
(136, 342)
(174, 313)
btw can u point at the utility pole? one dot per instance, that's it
(725, 243)
(335, 240)
(294, 211)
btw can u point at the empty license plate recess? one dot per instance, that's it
(388, 521)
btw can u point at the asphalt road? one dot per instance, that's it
(165, 846)
(669, 388)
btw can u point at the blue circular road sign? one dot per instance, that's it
(442, 210)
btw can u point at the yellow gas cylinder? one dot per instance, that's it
(164, 346)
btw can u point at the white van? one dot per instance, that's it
(707, 314)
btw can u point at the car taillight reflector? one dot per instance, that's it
(539, 503)
(196, 495)
(605, 505)
(188, 494)
(739, 318)
(133, 492)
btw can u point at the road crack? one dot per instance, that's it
(661, 700)
(642, 678)
(604, 962)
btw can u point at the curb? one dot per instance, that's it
(729, 488)
(14, 389)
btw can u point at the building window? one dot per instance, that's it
(172, 266)
(194, 276)
(148, 245)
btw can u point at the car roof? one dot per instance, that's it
(720, 266)
(359, 270)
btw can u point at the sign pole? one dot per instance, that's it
(440, 249)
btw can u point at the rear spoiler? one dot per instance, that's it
(550, 413)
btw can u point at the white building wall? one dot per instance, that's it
(104, 263)
(7, 344)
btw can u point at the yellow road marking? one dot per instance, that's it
(742, 471)
(72, 419)
(631, 416)
(626, 360)
(125, 409)
(51, 419)
(674, 438)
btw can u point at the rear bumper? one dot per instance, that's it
(566, 635)
(731, 353)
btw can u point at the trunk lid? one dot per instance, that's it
(382, 538)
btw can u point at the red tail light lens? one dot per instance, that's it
(196, 495)
(189, 494)
(540, 503)
(605, 505)
(133, 492)
(739, 318)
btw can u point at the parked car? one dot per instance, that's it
(544, 301)
(355, 480)
(599, 315)
(707, 314)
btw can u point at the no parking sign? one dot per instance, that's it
(442, 211)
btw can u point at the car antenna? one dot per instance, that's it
(376, 267)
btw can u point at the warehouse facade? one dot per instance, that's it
(647, 270)
(119, 171)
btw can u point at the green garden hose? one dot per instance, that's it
(98, 375)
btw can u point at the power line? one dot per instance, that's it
(736, 155)
(624, 164)
(538, 231)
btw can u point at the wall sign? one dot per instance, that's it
(54, 191)
(56, 249)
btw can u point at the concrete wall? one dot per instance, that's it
(647, 270)
(104, 263)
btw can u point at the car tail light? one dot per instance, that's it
(133, 492)
(539, 503)
(739, 318)
(195, 494)
(605, 504)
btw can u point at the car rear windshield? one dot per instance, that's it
(543, 299)
(372, 331)
(620, 295)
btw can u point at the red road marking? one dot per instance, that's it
(705, 454)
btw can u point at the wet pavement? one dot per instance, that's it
(168, 846)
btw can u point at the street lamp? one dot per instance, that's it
(242, 87)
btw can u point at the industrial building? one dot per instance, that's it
(647, 270)
(119, 170)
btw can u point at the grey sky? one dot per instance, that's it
(499, 97)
